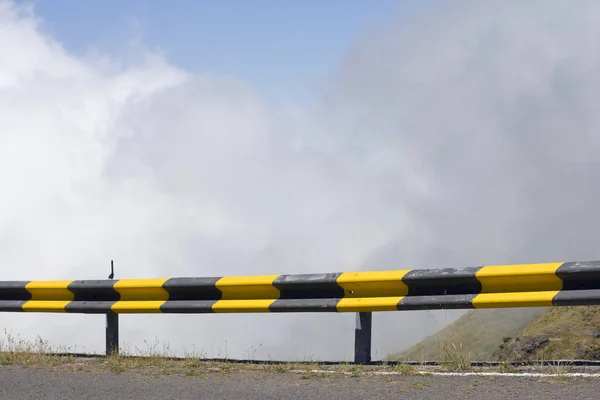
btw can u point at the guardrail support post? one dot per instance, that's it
(112, 333)
(362, 338)
(112, 324)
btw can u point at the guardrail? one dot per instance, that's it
(525, 285)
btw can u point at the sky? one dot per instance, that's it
(285, 50)
(453, 135)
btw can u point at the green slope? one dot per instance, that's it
(565, 333)
(479, 331)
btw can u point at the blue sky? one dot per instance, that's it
(285, 49)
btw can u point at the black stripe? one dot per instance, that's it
(304, 305)
(14, 290)
(577, 298)
(187, 306)
(89, 307)
(309, 286)
(449, 302)
(100, 290)
(12, 305)
(579, 275)
(192, 289)
(447, 281)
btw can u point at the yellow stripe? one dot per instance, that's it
(246, 294)
(45, 306)
(505, 300)
(242, 306)
(248, 287)
(141, 289)
(132, 307)
(519, 278)
(373, 284)
(368, 304)
(49, 290)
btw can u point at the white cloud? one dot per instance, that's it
(457, 138)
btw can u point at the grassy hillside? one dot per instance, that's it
(560, 333)
(480, 331)
(530, 334)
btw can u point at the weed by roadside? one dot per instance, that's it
(554, 368)
(15, 350)
(559, 371)
(420, 385)
(416, 386)
(506, 367)
(156, 359)
(352, 370)
(560, 368)
(404, 369)
(457, 358)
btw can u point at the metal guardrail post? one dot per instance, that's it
(112, 325)
(112, 333)
(362, 337)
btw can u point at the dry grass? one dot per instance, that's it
(506, 366)
(404, 369)
(17, 351)
(155, 364)
(543, 364)
(156, 359)
(456, 358)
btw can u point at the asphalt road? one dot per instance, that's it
(33, 383)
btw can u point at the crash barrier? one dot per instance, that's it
(524, 285)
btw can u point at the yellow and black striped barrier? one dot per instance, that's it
(527, 285)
